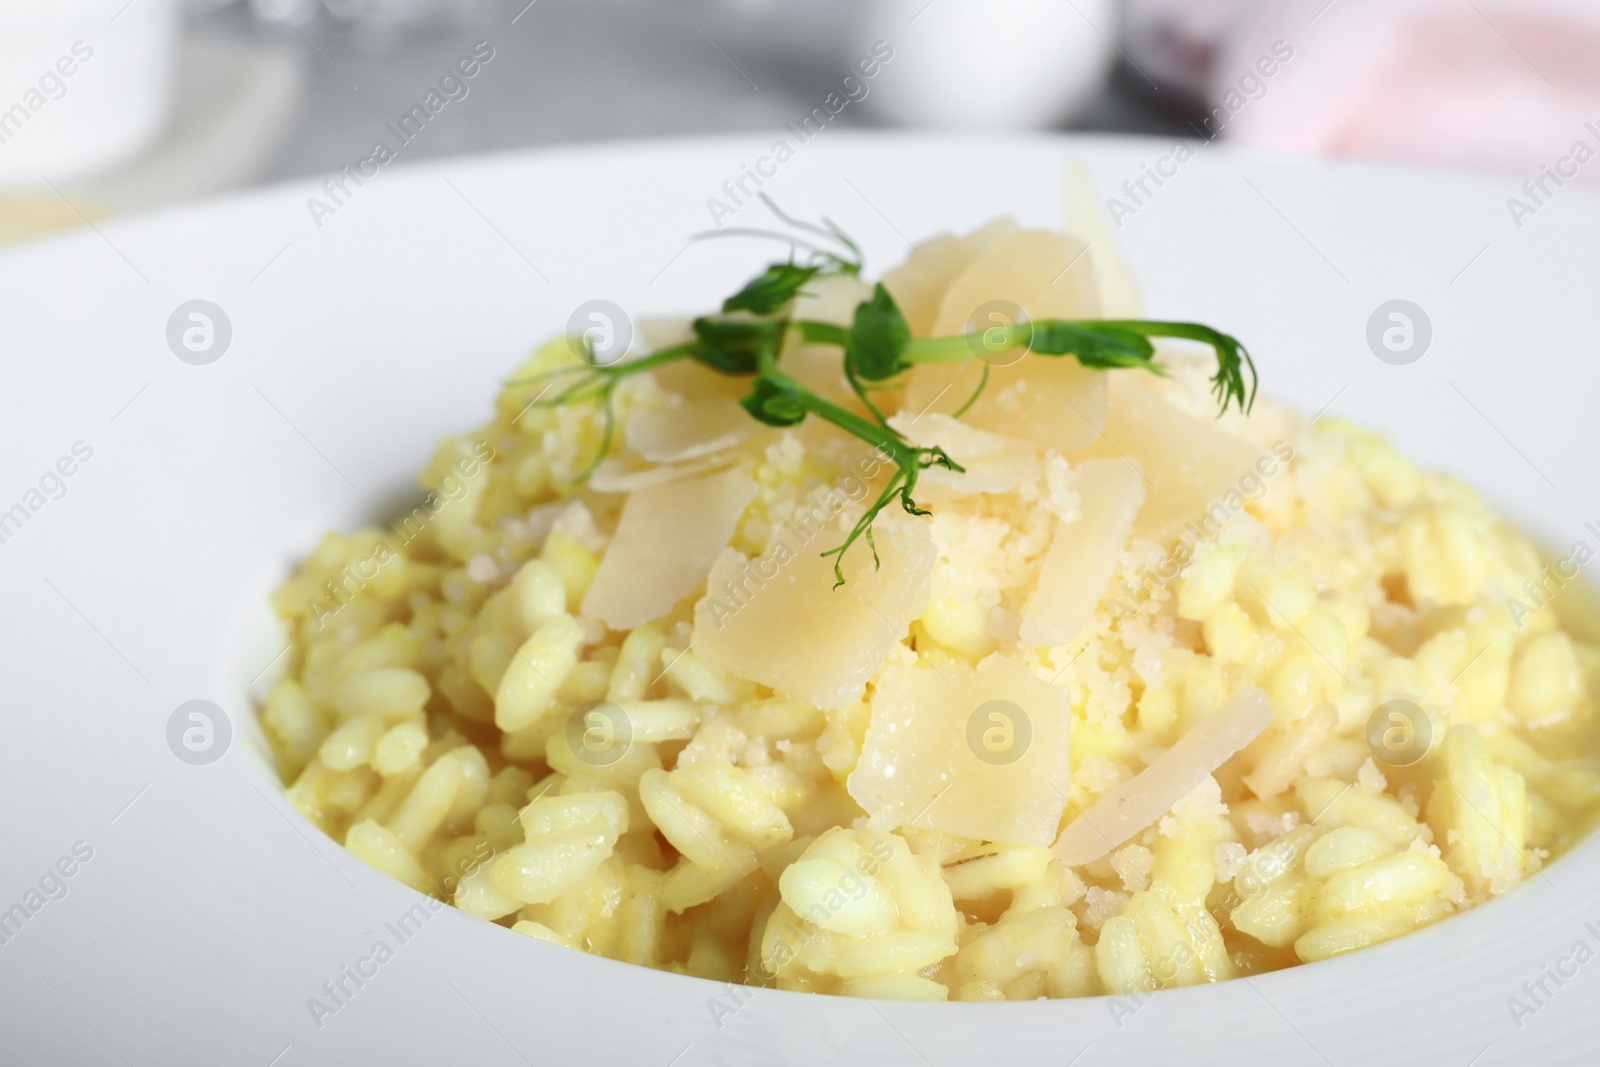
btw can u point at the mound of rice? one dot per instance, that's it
(632, 717)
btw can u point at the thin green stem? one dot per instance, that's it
(983, 383)
(958, 349)
(822, 333)
(608, 418)
(599, 384)
(861, 393)
(909, 460)
(615, 370)
(827, 333)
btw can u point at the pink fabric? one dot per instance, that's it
(1506, 85)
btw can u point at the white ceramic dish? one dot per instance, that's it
(210, 911)
(84, 85)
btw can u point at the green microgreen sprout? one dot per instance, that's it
(1102, 344)
(843, 259)
(747, 336)
(591, 381)
(778, 400)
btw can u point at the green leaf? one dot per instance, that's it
(774, 404)
(736, 346)
(1228, 384)
(770, 290)
(878, 339)
(1100, 347)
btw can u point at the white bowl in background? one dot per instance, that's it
(84, 84)
(975, 65)
(210, 911)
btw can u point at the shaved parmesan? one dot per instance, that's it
(1002, 473)
(820, 369)
(779, 621)
(1085, 218)
(687, 379)
(1282, 757)
(994, 464)
(699, 415)
(689, 429)
(613, 476)
(961, 440)
(666, 540)
(1052, 401)
(831, 298)
(1141, 800)
(1191, 466)
(656, 334)
(918, 285)
(1047, 274)
(975, 752)
(1083, 554)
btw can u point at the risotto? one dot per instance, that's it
(1134, 697)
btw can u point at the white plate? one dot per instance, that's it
(210, 911)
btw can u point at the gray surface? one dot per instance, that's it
(587, 70)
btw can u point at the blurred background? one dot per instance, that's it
(110, 106)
